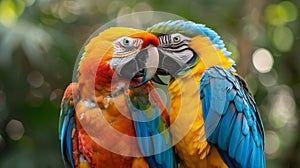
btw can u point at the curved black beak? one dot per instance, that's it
(150, 64)
(144, 64)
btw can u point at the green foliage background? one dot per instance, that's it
(40, 40)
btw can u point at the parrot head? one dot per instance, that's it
(124, 52)
(185, 45)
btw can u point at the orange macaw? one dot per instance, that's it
(96, 128)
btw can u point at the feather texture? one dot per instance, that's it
(232, 121)
(151, 122)
(66, 125)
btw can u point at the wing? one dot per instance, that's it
(151, 123)
(66, 126)
(232, 121)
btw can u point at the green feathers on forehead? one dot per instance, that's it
(170, 27)
(190, 29)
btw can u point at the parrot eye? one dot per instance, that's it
(126, 42)
(176, 39)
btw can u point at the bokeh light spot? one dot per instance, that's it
(291, 11)
(280, 14)
(274, 15)
(57, 93)
(15, 129)
(72, 7)
(35, 79)
(262, 60)
(268, 79)
(251, 29)
(283, 38)
(125, 10)
(272, 144)
(283, 106)
(8, 14)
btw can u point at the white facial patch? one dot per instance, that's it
(126, 46)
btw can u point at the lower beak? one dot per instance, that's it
(151, 64)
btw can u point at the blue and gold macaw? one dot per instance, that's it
(209, 98)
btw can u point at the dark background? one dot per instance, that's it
(40, 40)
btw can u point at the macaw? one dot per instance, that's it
(112, 115)
(208, 99)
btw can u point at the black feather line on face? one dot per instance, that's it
(175, 55)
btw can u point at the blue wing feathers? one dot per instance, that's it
(245, 127)
(144, 143)
(234, 139)
(150, 139)
(211, 121)
(243, 146)
(231, 94)
(205, 104)
(232, 121)
(69, 141)
(65, 131)
(62, 133)
(153, 125)
(227, 126)
(238, 101)
(213, 138)
(217, 87)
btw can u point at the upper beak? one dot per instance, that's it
(150, 65)
(145, 64)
